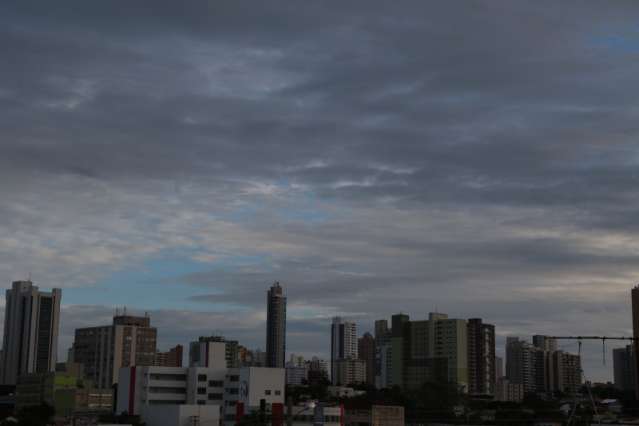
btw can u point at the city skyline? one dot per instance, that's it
(421, 157)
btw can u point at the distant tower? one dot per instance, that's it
(275, 327)
(635, 333)
(31, 321)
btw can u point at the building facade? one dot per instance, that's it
(170, 358)
(542, 371)
(343, 343)
(634, 296)
(31, 323)
(103, 350)
(349, 371)
(275, 327)
(208, 351)
(366, 352)
(624, 368)
(481, 357)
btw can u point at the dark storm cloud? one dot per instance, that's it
(375, 156)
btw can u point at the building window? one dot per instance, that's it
(201, 377)
(201, 391)
(201, 402)
(216, 383)
(215, 396)
(267, 392)
(278, 392)
(234, 378)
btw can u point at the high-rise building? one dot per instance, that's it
(481, 357)
(214, 351)
(499, 368)
(544, 343)
(275, 327)
(540, 370)
(349, 371)
(128, 341)
(634, 293)
(366, 352)
(624, 368)
(31, 322)
(520, 363)
(170, 358)
(343, 343)
(433, 350)
(565, 373)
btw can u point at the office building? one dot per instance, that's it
(481, 357)
(275, 327)
(208, 351)
(624, 368)
(31, 322)
(128, 341)
(170, 358)
(366, 352)
(634, 293)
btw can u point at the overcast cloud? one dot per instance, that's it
(477, 157)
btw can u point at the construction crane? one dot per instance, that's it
(603, 341)
(602, 338)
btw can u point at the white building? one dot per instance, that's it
(148, 391)
(246, 388)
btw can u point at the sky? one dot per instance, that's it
(477, 158)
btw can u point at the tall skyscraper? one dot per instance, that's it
(481, 357)
(635, 333)
(129, 341)
(275, 327)
(366, 352)
(31, 321)
(343, 343)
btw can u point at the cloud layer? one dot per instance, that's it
(479, 159)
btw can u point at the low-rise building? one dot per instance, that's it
(146, 391)
(67, 393)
